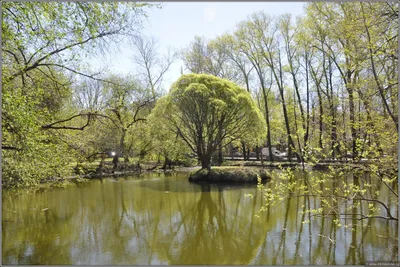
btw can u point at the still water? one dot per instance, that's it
(156, 219)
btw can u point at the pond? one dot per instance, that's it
(156, 219)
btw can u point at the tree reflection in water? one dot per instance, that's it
(170, 221)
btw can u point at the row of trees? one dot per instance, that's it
(326, 85)
(326, 82)
(56, 110)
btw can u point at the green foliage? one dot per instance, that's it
(42, 45)
(33, 33)
(358, 191)
(206, 111)
(29, 152)
(165, 141)
(328, 81)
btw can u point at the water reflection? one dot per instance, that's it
(166, 220)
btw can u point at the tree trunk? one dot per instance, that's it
(334, 142)
(115, 162)
(301, 156)
(370, 123)
(244, 150)
(279, 82)
(353, 129)
(220, 157)
(285, 115)
(321, 114)
(167, 163)
(262, 159)
(376, 77)
(205, 162)
(121, 150)
(268, 123)
(321, 110)
(308, 103)
(257, 153)
(303, 119)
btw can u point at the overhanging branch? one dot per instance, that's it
(89, 115)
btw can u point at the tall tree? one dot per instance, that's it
(249, 46)
(126, 105)
(266, 30)
(152, 66)
(206, 111)
(288, 33)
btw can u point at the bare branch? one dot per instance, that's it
(38, 62)
(10, 148)
(52, 125)
(80, 73)
(89, 119)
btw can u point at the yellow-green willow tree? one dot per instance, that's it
(207, 111)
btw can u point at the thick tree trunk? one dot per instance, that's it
(220, 157)
(167, 163)
(205, 162)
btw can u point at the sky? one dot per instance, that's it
(177, 23)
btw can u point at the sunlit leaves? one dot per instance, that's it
(42, 48)
(207, 111)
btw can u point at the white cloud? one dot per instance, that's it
(210, 12)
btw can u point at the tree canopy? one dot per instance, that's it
(43, 48)
(207, 111)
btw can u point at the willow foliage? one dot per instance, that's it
(207, 112)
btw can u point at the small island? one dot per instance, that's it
(230, 175)
(208, 113)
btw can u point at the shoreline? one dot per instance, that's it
(61, 181)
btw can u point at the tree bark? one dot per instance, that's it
(257, 153)
(244, 150)
(120, 151)
(205, 162)
(271, 158)
(308, 102)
